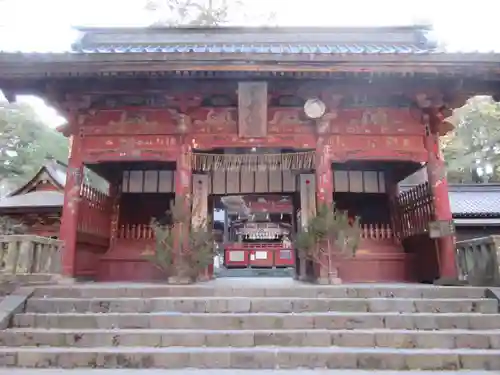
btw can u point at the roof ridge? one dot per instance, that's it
(284, 29)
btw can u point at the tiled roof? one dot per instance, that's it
(53, 170)
(238, 40)
(475, 200)
(34, 199)
(472, 200)
(281, 49)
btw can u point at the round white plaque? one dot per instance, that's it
(314, 108)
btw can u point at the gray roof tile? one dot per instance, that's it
(281, 49)
(475, 200)
(472, 200)
(248, 40)
(34, 199)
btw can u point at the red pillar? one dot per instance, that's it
(183, 175)
(436, 171)
(183, 172)
(324, 174)
(183, 183)
(69, 220)
(324, 195)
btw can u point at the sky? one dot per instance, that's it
(46, 25)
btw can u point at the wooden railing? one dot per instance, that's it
(413, 211)
(135, 232)
(145, 232)
(28, 254)
(95, 212)
(478, 261)
(377, 232)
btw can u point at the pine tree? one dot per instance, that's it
(329, 234)
(183, 252)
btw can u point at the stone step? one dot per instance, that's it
(255, 272)
(255, 304)
(445, 339)
(331, 320)
(256, 357)
(294, 290)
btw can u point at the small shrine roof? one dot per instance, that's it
(29, 196)
(49, 199)
(53, 171)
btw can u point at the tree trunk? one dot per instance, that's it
(302, 268)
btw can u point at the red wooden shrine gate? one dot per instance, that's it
(380, 116)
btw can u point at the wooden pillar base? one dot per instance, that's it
(447, 253)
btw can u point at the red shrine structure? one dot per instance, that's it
(277, 119)
(38, 203)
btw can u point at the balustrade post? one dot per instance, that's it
(69, 220)
(436, 172)
(12, 257)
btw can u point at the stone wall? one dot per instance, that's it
(29, 255)
(478, 261)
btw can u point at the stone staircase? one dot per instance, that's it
(223, 326)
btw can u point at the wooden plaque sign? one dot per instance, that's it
(441, 228)
(252, 109)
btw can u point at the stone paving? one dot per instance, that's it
(263, 325)
(230, 372)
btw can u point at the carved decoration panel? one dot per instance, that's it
(121, 122)
(357, 147)
(208, 142)
(140, 147)
(289, 121)
(214, 120)
(381, 121)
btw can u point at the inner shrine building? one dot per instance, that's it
(269, 121)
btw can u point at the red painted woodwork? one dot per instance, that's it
(359, 147)
(275, 256)
(183, 171)
(324, 173)
(375, 121)
(207, 142)
(289, 121)
(395, 267)
(213, 121)
(69, 220)
(436, 172)
(124, 262)
(44, 186)
(423, 249)
(87, 260)
(132, 220)
(94, 215)
(158, 133)
(136, 232)
(128, 121)
(122, 148)
(377, 232)
(414, 210)
(269, 203)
